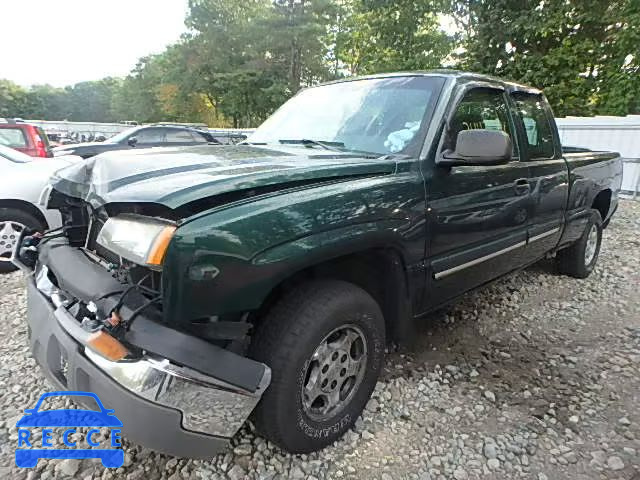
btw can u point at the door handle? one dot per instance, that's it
(521, 186)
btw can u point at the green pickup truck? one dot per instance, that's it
(194, 287)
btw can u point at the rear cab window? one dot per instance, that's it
(535, 119)
(150, 135)
(13, 137)
(178, 136)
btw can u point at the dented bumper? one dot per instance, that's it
(185, 408)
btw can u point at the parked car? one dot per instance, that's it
(28, 139)
(23, 179)
(141, 137)
(208, 284)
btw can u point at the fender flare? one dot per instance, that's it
(343, 242)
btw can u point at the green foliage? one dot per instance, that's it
(90, 100)
(248, 57)
(13, 99)
(229, 62)
(391, 35)
(84, 101)
(297, 39)
(579, 51)
(239, 60)
(136, 99)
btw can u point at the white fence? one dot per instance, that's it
(620, 134)
(88, 129)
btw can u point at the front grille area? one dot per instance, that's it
(96, 224)
(82, 224)
(121, 269)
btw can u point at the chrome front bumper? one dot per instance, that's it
(207, 405)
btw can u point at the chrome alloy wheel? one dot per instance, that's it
(9, 234)
(334, 372)
(591, 246)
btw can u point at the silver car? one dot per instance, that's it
(23, 179)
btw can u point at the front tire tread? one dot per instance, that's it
(283, 335)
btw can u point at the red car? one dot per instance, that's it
(25, 138)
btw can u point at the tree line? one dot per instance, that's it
(238, 61)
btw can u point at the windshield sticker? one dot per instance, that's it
(396, 141)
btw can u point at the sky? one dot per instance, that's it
(62, 42)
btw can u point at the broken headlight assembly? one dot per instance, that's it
(141, 240)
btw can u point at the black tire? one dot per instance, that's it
(18, 217)
(572, 260)
(286, 339)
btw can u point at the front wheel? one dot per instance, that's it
(579, 259)
(324, 343)
(12, 224)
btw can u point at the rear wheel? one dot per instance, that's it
(579, 259)
(324, 343)
(12, 224)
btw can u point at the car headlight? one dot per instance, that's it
(142, 240)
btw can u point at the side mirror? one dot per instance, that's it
(478, 147)
(133, 141)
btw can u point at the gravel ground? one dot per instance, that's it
(535, 377)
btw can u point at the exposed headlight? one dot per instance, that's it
(142, 240)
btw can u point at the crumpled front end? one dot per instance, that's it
(91, 330)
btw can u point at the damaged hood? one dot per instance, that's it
(175, 177)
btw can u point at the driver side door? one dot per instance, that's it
(477, 215)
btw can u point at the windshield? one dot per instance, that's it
(14, 155)
(380, 116)
(121, 136)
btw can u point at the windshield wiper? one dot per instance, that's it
(391, 156)
(333, 146)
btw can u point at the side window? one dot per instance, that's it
(150, 135)
(480, 109)
(536, 124)
(175, 135)
(12, 137)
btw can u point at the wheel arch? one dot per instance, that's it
(379, 270)
(26, 207)
(602, 203)
(215, 282)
